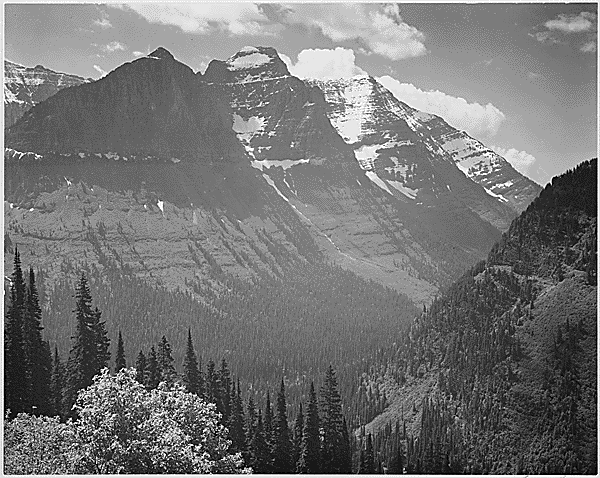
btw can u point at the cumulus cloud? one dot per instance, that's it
(380, 29)
(99, 70)
(477, 120)
(235, 18)
(572, 23)
(522, 161)
(103, 23)
(324, 64)
(589, 47)
(579, 29)
(137, 53)
(111, 47)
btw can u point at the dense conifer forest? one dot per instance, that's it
(510, 349)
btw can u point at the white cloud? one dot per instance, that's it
(99, 70)
(477, 120)
(111, 47)
(572, 23)
(104, 23)
(379, 28)
(324, 64)
(235, 18)
(520, 160)
(589, 47)
(138, 53)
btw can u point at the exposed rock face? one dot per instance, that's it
(181, 177)
(479, 163)
(408, 152)
(25, 87)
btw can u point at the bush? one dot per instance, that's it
(123, 428)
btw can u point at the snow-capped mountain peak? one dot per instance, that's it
(247, 65)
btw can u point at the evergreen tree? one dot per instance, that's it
(224, 390)
(211, 382)
(38, 361)
(259, 449)
(297, 441)
(268, 425)
(15, 371)
(332, 449)
(120, 362)
(152, 377)
(192, 377)
(369, 457)
(57, 383)
(282, 444)
(166, 369)
(140, 368)
(310, 453)
(90, 350)
(237, 431)
(346, 452)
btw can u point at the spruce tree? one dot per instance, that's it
(297, 441)
(259, 449)
(37, 359)
(166, 369)
(310, 452)
(268, 433)
(236, 425)
(120, 362)
(15, 371)
(332, 449)
(282, 443)
(140, 368)
(346, 452)
(251, 423)
(57, 383)
(90, 350)
(152, 376)
(224, 390)
(369, 457)
(192, 377)
(211, 382)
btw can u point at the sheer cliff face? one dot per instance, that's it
(242, 170)
(420, 155)
(25, 87)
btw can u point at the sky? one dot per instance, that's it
(521, 78)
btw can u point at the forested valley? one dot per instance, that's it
(506, 355)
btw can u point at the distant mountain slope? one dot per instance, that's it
(500, 375)
(25, 87)
(173, 149)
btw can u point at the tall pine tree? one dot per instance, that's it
(140, 368)
(282, 443)
(15, 371)
(297, 440)
(236, 425)
(152, 376)
(120, 362)
(57, 383)
(310, 452)
(332, 449)
(90, 350)
(38, 360)
(166, 367)
(192, 376)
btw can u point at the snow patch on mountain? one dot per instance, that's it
(277, 163)
(408, 192)
(274, 186)
(377, 180)
(253, 60)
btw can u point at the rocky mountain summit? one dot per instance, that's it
(25, 87)
(184, 179)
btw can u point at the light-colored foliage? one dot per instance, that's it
(39, 445)
(123, 428)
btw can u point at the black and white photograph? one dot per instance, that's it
(300, 238)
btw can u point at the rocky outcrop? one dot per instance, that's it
(25, 87)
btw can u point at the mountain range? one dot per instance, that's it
(180, 166)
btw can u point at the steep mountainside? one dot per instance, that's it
(171, 163)
(500, 375)
(25, 87)
(414, 153)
